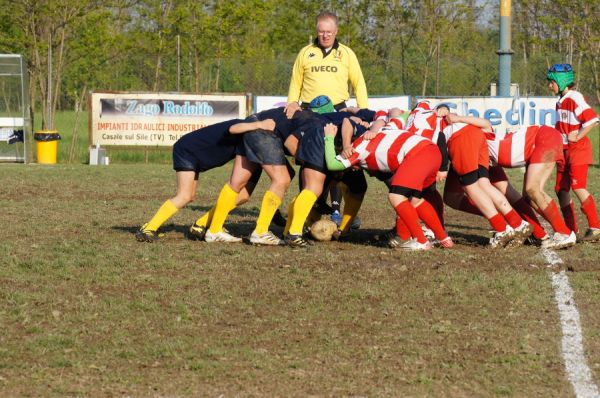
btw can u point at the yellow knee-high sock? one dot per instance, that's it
(352, 204)
(225, 203)
(290, 216)
(269, 206)
(304, 203)
(165, 212)
(206, 218)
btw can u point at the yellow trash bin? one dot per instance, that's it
(47, 146)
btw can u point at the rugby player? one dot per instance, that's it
(575, 120)
(260, 149)
(196, 152)
(414, 162)
(538, 149)
(468, 153)
(306, 144)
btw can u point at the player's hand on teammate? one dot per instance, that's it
(268, 125)
(347, 152)
(452, 118)
(351, 109)
(291, 108)
(395, 112)
(369, 135)
(573, 136)
(330, 130)
(441, 176)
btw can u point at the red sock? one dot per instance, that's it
(429, 216)
(498, 223)
(409, 216)
(568, 213)
(513, 218)
(435, 199)
(401, 229)
(553, 217)
(588, 207)
(468, 207)
(526, 211)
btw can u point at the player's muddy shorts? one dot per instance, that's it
(264, 148)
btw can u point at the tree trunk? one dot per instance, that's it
(73, 147)
(158, 63)
(58, 76)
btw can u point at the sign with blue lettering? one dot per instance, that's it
(157, 119)
(503, 112)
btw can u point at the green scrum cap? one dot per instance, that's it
(321, 104)
(562, 74)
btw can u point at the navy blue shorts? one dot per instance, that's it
(264, 148)
(185, 159)
(311, 148)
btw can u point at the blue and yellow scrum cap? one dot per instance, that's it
(562, 74)
(321, 104)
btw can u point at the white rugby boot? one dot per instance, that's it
(221, 236)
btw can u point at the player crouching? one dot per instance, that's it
(413, 161)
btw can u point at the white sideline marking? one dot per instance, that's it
(551, 257)
(578, 372)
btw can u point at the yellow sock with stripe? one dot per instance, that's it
(269, 206)
(352, 204)
(206, 218)
(290, 216)
(225, 203)
(165, 212)
(302, 206)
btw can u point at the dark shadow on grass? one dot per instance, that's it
(202, 209)
(468, 239)
(240, 211)
(462, 226)
(365, 237)
(239, 228)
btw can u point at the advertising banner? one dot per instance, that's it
(503, 112)
(156, 119)
(262, 103)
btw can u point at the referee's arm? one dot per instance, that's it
(296, 81)
(358, 82)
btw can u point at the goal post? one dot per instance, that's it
(15, 115)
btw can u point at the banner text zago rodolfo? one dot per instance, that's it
(154, 119)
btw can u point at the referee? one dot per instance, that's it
(324, 68)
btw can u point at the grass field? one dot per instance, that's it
(85, 310)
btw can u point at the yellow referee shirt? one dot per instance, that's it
(316, 73)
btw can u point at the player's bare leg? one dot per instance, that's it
(187, 182)
(280, 181)
(535, 179)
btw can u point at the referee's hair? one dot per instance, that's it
(327, 15)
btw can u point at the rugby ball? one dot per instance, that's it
(322, 230)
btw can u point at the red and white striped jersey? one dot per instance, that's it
(573, 113)
(424, 121)
(422, 106)
(385, 152)
(514, 149)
